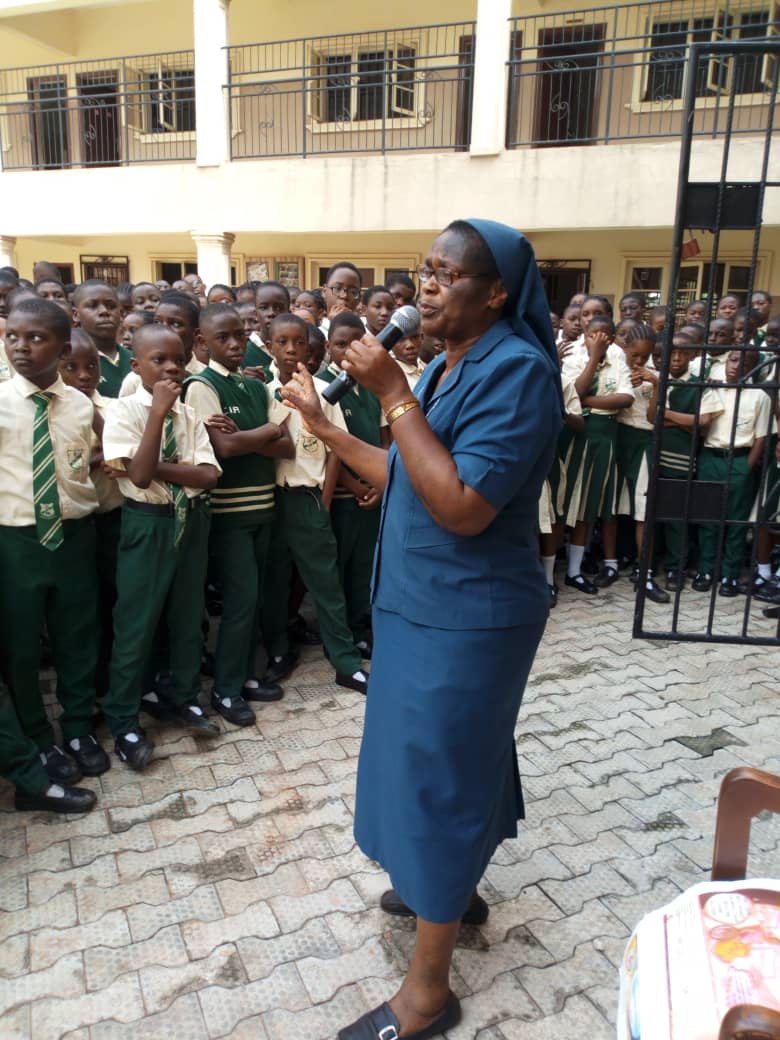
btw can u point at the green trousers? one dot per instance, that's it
(239, 552)
(58, 589)
(107, 527)
(739, 502)
(157, 585)
(674, 531)
(19, 761)
(302, 532)
(356, 532)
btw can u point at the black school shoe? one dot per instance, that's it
(260, 690)
(357, 682)
(675, 581)
(701, 583)
(234, 709)
(191, 718)
(606, 576)
(60, 768)
(279, 668)
(134, 753)
(553, 596)
(72, 800)
(476, 913)
(581, 583)
(382, 1024)
(89, 755)
(767, 590)
(728, 587)
(654, 592)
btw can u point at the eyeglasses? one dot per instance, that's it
(342, 290)
(443, 275)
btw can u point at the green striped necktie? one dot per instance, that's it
(48, 520)
(178, 494)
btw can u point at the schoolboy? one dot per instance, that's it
(163, 461)
(402, 289)
(96, 310)
(736, 462)
(316, 352)
(631, 305)
(407, 353)
(247, 312)
(678, 453)
(242, 504)
(130, 323)
(355, 510)
(80, 368)
(761, 304)
(302, 528)
(179, 313)
(271, 300)
(47, 540)
(570, 327)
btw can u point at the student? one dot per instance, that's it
(7, 283)
(761, 305)
(604, 388)
(315, 354)
(246, 293)
(96, 310)
(657, 320)
(247, 312)
(312, 302)
(632, 451)
(678, 452)
(49, 289)
(407, 353)
(355, 510)
(745, 326)
(124, 293)
(736, 463)
(622, 328)
(163, 461)
(130, 325)
(379, 307)
(302, 529)
(402, 289)
(342, 288)
(555, 321)
(570, 329)
(697, 312)
(179, 313)
(145, 297)
(727, 306)
(162, 284)
(242, 504)
(631, 305)
(271, 300)
(219, 293)
(47, 540)
(80, 368)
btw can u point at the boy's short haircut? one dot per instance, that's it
(147, 318)
(696, 332)
(238, 306)
(316, 336)
(348, 319)
(81, 338)
(340, 266)
(633, 296)
(225, 288)
(248, 285)
(18, 293)
(375, 290)
(287, 319)
(10, 270)
(571, 307)
(124, 289)
(401, 279)
(93, 283)
(48, 281)
(752, 316)
(274, 285)
(212, 311)
(149, 332)
(687, 339)
(49, 312)
(7, 277)
(184, 302)
(143, 282)
(602, 300)
(604, 322)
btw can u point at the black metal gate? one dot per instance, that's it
(712, 507)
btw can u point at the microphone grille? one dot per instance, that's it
(407, 319)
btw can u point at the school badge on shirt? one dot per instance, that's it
(309, 444)
(74, 453)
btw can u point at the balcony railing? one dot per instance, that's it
(618, 72)
(395, 90)
(110, 112)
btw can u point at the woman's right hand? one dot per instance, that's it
(300, 393)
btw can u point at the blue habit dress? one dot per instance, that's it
(457, 621)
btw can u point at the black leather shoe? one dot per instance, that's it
(701, 583)
(728, 587)
(606, 576)
(349, 682)
(553, 595)
(61, 769)
(90, 756)
(654, 592)
(259, 690)
(476, 913)
(135, 753)
(191, 718)
(157, 706)
(73, 800)
(675, 582)
(234, 709)
(279, 668)
(382, 1024)
(582, 584)
(365, 649)
(634, 575)
(771, 612)
(764, 589)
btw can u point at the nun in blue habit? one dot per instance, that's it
(460, 600)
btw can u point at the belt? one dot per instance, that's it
(299, 490)
(162, 510)
(723, 453)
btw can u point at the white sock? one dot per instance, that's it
(151, 696)
(574, 566)
(548, 562)
(55, 791)
(765, 571)
(359, 674)
(252, 684)
(75, 744)
(649, 583)
(132, 738)
(611, 563)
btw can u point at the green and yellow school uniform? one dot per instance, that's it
(632, 454)
(356, 529)
(724, 462)
(256, 356)
(242, 509)
(161, 567)
(113, 371)
(552, 502)
(302, 533)
(20, 762)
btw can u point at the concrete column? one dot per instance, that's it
(488, 120)
(210, 23)
(7, 246)
(213, 257)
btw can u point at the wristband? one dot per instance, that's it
(401, 409)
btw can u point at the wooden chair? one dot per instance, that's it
(743, 794)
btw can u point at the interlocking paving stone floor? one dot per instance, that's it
(220, 893)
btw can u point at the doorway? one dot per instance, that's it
(563, 279)
(568, 82)
(49, 122)
(99, 119)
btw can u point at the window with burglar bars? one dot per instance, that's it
(364, 85)
(170, 107)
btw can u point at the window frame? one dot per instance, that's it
(171, 132)
(729, 260)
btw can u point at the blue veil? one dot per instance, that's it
(527, 309)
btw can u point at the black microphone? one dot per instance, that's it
(404, 322)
